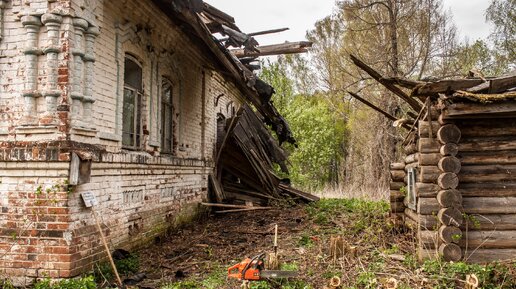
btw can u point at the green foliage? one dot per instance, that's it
(502, 14)
(6, 284)
(289, 267)
(129, 265)
(491, 276)
(323, 211)
(306, 241)
(318, 134)
(367, 280)
(216, 279)
(79, 283)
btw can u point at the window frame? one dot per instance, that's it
(170, 126)
(137, 126)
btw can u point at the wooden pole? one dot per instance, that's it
(275, 49)
(113, 266)
(378, 77)
(386, 114)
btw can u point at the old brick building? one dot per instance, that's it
(130, 91)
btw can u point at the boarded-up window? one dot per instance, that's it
(411, 188)
(132, 105)
(167, 112)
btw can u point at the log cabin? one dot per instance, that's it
(455, 184)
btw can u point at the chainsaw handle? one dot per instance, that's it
(234, 275)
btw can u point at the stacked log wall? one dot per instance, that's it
(397, 193)
(427, 206)
(487, 183)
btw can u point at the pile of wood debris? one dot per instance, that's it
(246, 155)
(244, 176)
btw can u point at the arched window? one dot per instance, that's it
(132, 110)
(167, 112)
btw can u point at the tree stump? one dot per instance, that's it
(272, 262)
(336, 247)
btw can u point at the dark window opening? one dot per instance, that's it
(167, 112)
(132, 105)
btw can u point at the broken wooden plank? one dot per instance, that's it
(275, 49)
(245, 210)
(301, 194)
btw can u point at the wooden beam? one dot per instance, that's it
(217, 13)
(444, 86)
(387, 115)
(276, 49)
(461, 110)
(414, 104)
(262, 32)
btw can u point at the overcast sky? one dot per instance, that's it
(300, 16)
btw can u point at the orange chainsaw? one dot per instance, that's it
(253, 269)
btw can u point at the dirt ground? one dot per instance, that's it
(198, 255)
(222, 240)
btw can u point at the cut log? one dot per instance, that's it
(397, 166)
(450, 252)
(489, 239)
(488, 189)
(443, 120)
(500, 222)
(449, 165)
(448, 181)
(427, 206)
(275, 49)
(449, 149)
(450, 217)
(412, 158)
(488, 173)
(429, 159)
(396, 186)
(449, 133)
(424, 128)
(502, 205)
(449, 198)
(429, 174)
(476, 145)
(398, 176)
(427, 190)
(450, 234)
(428, 145)
(489, 255)
(492, 128)
(488, 158)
